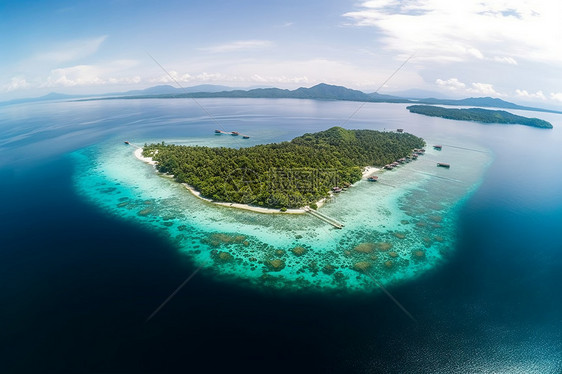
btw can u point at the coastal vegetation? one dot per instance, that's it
(479, 115)
(290, 174)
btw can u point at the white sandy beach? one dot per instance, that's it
(369, 170)
(148, 160)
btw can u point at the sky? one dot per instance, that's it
(508, 49)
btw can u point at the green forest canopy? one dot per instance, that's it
(478, 115)
(282, 175)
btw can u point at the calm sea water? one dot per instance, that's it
(78, 280)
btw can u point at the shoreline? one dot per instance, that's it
(367, 171)
(148, 160)
(256, 209)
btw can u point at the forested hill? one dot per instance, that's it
(282, 175)
(479, 115)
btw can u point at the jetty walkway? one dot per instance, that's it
(324, 218)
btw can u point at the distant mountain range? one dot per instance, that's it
(321, 91)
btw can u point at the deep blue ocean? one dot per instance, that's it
(77, 284)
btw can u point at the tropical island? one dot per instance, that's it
(285, 175)
(479, 115)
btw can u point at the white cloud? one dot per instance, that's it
(72, 50)
(92, 75)
(79, 75)
(452, 84)
(506, 60)
(205, 77)
(239, 46)
(174, 76)
(484, 89)
(475, 53)
(286, 73)
(449, 31)
(556, 96)
(125, 80)
(16, 83)
(210, 77)
(279, 79)
(527, 95)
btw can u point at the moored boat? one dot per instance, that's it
(127, 142)
(373, 178)
(245, 137)
(234, 133)
(443, 165)
(437, 147)
(218, 132)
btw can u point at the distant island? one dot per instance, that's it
(479, 115)
(320, 91)
(283, 175)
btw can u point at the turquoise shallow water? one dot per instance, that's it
(395, 229)
(80, 274)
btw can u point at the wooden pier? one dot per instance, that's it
(233, 133)
(324, 218)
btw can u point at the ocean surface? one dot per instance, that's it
(465, 263)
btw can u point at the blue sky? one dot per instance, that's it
(507, 49)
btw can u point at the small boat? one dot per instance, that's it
(127, 142)
(336, 189)
(218, 132)
(437, 147)
(245, 137)
(373, 178)
(443, 165)
(235, 133)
